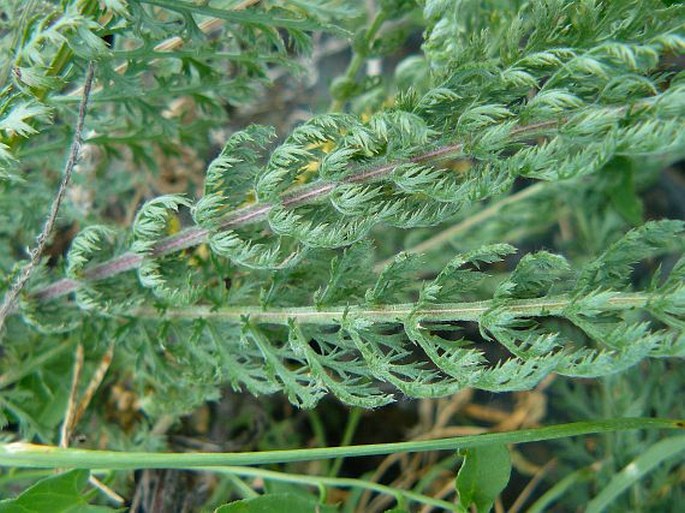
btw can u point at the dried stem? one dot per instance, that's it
(70, 415)
(106, 490)
(94, 383)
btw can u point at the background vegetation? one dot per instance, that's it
(452, 229)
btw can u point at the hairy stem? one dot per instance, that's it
(471, 311)
(42, 240)
(298, 196)
(358, 57)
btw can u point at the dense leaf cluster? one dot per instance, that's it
(270, 285)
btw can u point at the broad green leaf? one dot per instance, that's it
(277, 503)
(275, 487)
(62, 493)
(482, 477)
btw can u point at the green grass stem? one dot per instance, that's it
(20, 454)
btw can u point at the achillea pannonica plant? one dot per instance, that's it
(306, 265)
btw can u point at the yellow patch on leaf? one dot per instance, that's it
(173, 225)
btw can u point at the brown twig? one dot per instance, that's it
(70, 414)
(75, 412)
(94, 383)
(106, 490)
(42, 240)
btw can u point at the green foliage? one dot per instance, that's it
(365, 343)
(482, 477)
(276, 503)
(635, 470)
(62, 493)
(290, 266)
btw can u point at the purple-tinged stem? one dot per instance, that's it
(310, 193)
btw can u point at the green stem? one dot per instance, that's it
(470, 311)
(317, 427)
(337, 482)
(21, 454)
(358, 58)
(353, 419)
(240, 486)
(318, 430)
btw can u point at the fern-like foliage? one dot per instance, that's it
(158, 63)
(543, 317)
(270, 286)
